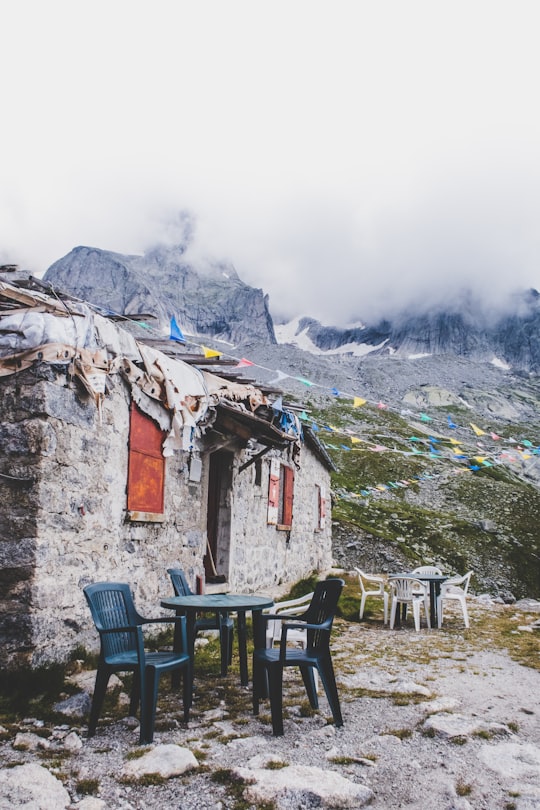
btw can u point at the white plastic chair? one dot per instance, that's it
(427, 569)
(291, 607)
(409, 591)
(432, 570)
(373, 586)
(455, 588)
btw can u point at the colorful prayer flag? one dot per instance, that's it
(210, 352)
(176, 332)
(477, 430)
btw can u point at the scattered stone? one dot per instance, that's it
(306, 786)
(90, 803)
(75, 706)
(27, 741)
(383, 682)
(513, 759)
(33, 787)
(529, 605)
(72, 742)
(457, 725)
(444, 704)
(86, 680)
(163, 760)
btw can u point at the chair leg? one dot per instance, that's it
(275, 682)
(385, 601)
(393, 613)
(308, 676)
(439, 611)
(148, 706)
(328, 678)
(259, 685)
(135, 695)
(362, 605)
(416, 614)
(100, 688)
(428, 613)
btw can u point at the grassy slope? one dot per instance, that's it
(486, 520)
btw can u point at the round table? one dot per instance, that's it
(240, 603)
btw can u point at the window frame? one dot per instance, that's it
(280, 495)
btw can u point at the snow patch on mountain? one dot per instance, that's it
(496, 361)
(297, 335)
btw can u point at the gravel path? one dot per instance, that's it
(432, 719)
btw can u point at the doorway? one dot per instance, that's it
(218, 520)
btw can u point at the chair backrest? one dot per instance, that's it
(459, 583)
(406, 588)
(290, 607)
(179, 582)
(361, 577)
(427, 569)
(369, 580)
(322, 609)
(111, 605)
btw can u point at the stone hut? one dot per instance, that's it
(118, 461)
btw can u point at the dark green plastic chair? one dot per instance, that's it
(220, 621)
(268, 663)
(122, 650)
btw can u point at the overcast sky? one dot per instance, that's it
(344, 156)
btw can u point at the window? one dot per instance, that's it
(280, 494)
(321, 507)
(146, 468)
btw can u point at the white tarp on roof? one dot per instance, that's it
(177, 395)
(218, 387)
(29, 329)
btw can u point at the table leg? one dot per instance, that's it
(434, 591)
(242, 646)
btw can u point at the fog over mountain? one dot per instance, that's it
(210, 299)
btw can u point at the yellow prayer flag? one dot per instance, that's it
(454, 441)
(358, 401)
(210, 352)
(477, 430)
(354, 440)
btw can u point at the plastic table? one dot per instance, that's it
(240, 603)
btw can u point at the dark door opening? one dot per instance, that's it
(218, 521)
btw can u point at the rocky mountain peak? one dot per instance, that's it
(205, 297)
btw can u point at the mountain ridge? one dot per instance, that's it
(209, 299)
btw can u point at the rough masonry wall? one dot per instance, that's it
(63, 523)
(264, 557)
(68, 528)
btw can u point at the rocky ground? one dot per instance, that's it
(441, 718)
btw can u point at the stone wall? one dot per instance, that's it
(263, 556)
(69, 527)
(63, 518)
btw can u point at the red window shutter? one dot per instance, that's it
(146, 465)
(273, 492)
(288, 493)
(322, 506)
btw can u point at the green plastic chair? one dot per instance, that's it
(122, 650)
(269, 663)
(220, 621)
